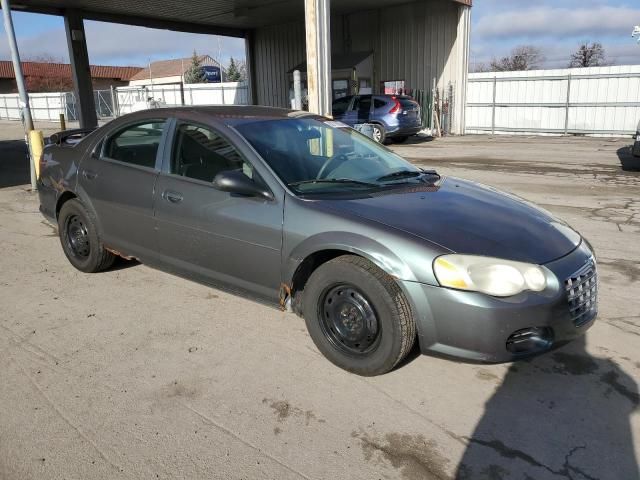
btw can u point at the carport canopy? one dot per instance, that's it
(235, 18)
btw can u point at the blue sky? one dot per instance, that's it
(557, 27)
(113, 44)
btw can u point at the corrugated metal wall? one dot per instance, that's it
(599, 101)
(277, 49)
(415, 42)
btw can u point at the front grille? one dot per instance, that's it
(582, 294)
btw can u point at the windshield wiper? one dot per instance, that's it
(333, 180)
(400, 174)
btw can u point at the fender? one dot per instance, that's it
(357, 244)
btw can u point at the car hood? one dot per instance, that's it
(466, 217)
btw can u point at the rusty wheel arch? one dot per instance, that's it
(290, 293)
(64, 198)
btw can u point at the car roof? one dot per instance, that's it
(232, 113)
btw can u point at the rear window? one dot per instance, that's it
(408, 102)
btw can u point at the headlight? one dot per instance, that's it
(493, 276)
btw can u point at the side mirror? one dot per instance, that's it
(234, 181)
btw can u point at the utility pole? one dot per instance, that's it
(25, 110)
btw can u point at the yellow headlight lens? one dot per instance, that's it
(449, 275)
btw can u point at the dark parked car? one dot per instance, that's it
(393, 117)
(636, 143)
(293, 209)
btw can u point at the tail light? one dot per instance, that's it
(396, 106)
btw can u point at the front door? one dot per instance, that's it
(340, 108)
(362, 107)
(221, 237)
(119, 179)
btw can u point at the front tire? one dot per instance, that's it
(80, 240)
(357, 316)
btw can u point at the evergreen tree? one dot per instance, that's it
(234, 71)
(195, 72)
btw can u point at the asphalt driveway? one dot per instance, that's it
(135, 373)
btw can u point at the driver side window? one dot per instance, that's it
(201, 153)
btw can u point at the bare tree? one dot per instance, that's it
(479, 68)
(524, 57)
(45, 58)
(588, 55)
(51, 79)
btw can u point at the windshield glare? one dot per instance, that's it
(311, 156)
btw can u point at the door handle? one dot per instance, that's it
(173, 197)
(89, 175)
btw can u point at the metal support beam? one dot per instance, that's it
(317, 25)
(250, 63)
(25, 109)
(83, 89)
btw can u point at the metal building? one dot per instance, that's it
(406, 43)
(410, 42)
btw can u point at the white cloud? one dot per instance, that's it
(558, 22)
(117, 44)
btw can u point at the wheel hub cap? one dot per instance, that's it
(348, 320)
(78, 237)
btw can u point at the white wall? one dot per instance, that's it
(602, 101)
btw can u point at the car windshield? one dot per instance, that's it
(315, 156)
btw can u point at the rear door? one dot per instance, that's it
(119, 179)
(217, 236)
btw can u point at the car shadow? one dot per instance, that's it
(122, 264)
(562, 415)
(415, 140)
(628, 161)
(14, 163)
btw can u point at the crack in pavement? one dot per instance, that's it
(513, 454)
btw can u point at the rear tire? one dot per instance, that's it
(379, 134)
(358, 316)
(80, 240)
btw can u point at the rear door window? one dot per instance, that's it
(136, 144)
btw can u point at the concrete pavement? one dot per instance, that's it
(135, 373)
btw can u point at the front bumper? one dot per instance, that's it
(478, 327)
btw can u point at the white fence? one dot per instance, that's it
(44, 106)
(587, 101)
(49, 106)
(134, 98)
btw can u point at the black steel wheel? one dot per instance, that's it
(76, 236)
(358, 316)
(80, 239)
(348, 320)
